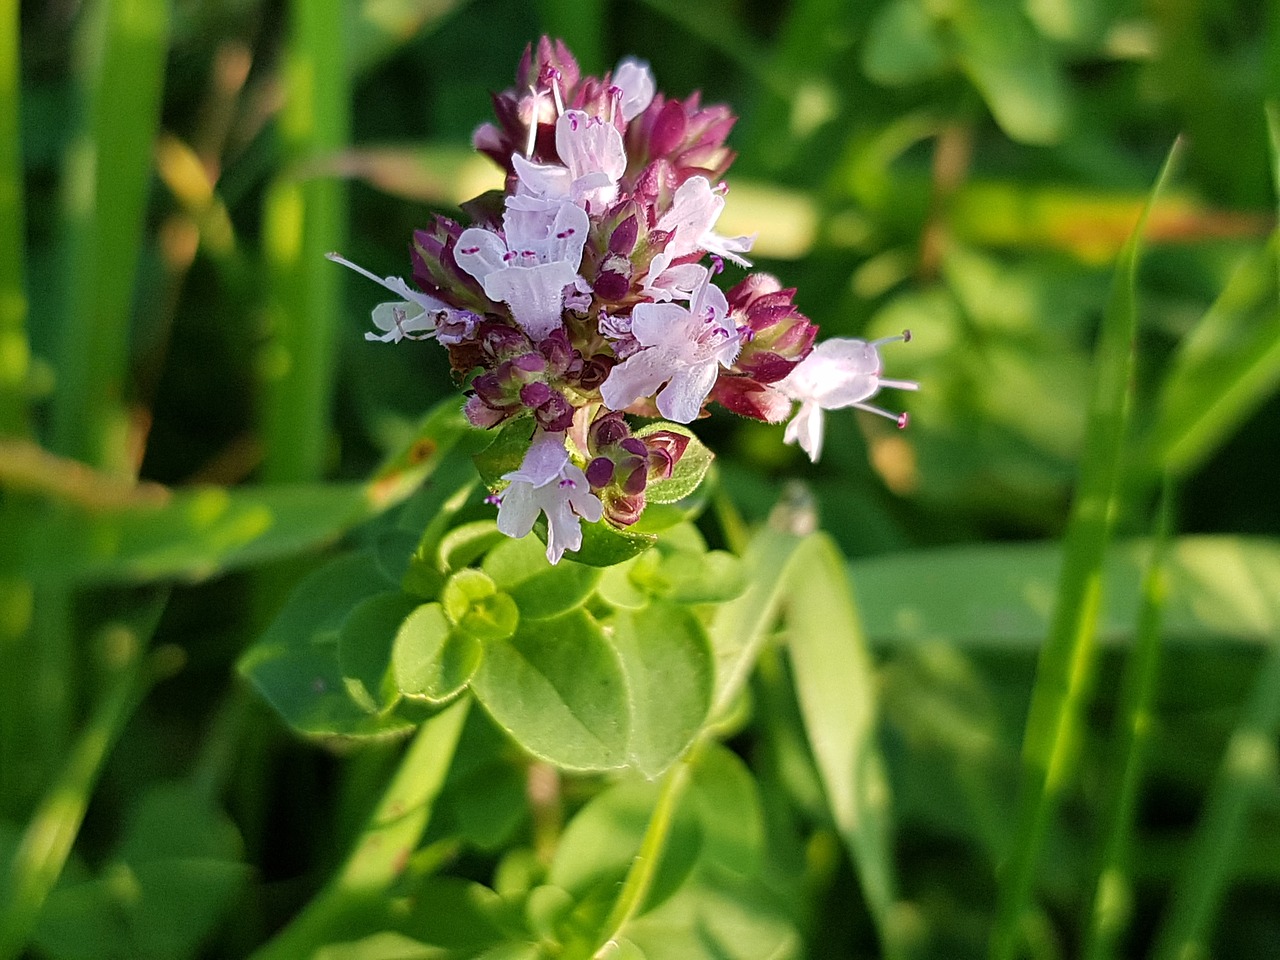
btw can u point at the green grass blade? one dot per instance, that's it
(304, 218)
(1247, 769)
(1230, 363)
(1112, 898)
(1065, 668)
(51, 831)
(106, 196)
(836, 687)
(359, 890)
(15, 351)
(1000, 596)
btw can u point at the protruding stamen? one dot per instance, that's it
(904, 336)
(899, 418)
(555, 93)
(899, 384)
(717, 264)
(493, 499)
(381, 281)
(533, 122)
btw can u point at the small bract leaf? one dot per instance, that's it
(364, 649)
(558, 689)
(506, 453)
(689, 470)
(464, 545)
(431, 661)
(728, 803)
(462, 590)
(539, 589)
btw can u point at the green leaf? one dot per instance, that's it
(431, 660)
(174, 876)
(1224, 369)
(689, 470)
(729, 808)
(670, 673)
(1013, 68)
(683, 576)
(836, 688)
(295, 665)
(1001, 595)
(457, 915)
(604, 545)
(474, 605)
(465, 544)
(558, 689)
(742, 626)
(599, 844)
(717, 915)
(364, 649)
(539, 588)
(902, 45)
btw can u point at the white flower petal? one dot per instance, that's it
(534, 294)
(634, 79)
(637, 376)
(518, 510)
(480, 252)
(682, 399)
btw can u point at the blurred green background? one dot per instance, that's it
(171, 174)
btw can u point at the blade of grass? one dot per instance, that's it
(836, 687)
(305, 217)
(1112, 896)
(1230, 363)
(106, 193)
(16, 591)
(15, 351)
(1248, 766)
(382, 852)
(1065, 669)
(52, 830)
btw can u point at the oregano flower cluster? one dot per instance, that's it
(584, 292)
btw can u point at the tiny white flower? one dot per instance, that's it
(681, 348)
(547, 482)
(414, 318)
(634, 82)
(838, 373)
(694, 210)
(529, 268)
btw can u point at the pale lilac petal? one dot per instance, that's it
(664, 282)
(694, 211)
(541, 179)
(730, 248)
(637, 376)
(838, 373)
(543, 461)
(480, 252)
(534, 294)
(518, 510)
(635, 82)
(806, 428)
(591, 148)
(682, 399)
(659, 323)
(399, 320)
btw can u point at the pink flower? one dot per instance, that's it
(547, 482)
(838, 373)
(681, 348)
